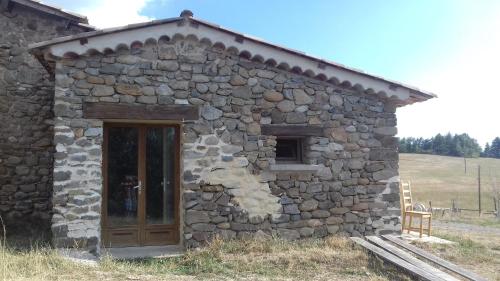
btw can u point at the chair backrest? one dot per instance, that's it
(405, 194)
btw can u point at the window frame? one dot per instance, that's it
(299, 149)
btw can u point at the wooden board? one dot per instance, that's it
(292, 130)
(439, 261)
(107, 110)
(409, 258)
(408, 267)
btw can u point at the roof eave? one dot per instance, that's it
(51, 10)
(100, 32)
(415, 94)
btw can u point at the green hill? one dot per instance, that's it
(442, 178)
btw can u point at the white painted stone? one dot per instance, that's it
(335, 147)
(302, 108)
(164, 90)
(181, 101)
(265, 120)
(60, 148)
(250, 191)
(210, 113)
(325, 173)
(316, 147)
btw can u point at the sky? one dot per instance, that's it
(448, 47)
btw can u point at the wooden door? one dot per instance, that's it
(141, 185)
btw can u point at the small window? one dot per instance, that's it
(288, 150)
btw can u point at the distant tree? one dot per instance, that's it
(494, 150)
(427, 145)
(465, 146)
(486, 151)
(450, 145)
(439, 145)
(402, 146)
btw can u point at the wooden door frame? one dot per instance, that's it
(142, 227)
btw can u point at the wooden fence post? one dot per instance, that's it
(498, 208)
(479, 187)
(465, 165)
(496, 200)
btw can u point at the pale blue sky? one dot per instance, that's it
(444, 46)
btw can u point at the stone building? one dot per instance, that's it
(176, 130)
(26, 97)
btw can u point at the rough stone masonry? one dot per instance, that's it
(228, 185)
(26, 132)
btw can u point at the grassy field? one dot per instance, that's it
(475, 251)
(334, 258)
(441, 179)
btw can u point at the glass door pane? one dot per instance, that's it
(123, 181)
(160, 181)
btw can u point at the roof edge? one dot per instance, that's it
(51, 10)
(414, 94)
(412, 89)
(100, 32)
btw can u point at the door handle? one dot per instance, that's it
(138, 187)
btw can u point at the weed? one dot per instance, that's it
(333, 258)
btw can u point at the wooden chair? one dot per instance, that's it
(407, 210)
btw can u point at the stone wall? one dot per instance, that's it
(228, 187)
(26, 97)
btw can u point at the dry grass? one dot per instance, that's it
(334, 258)
(470, 218)
(476, 252)
(441, 179)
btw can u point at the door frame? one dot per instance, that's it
(142, 228)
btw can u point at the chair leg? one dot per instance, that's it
(421, 226)
(429, 226)
(409, 225)
(403, 222)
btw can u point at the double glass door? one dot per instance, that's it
(141, 168)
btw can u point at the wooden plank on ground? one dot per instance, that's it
(140, 112)
(439, 261)
(409, 258)
(408, 267)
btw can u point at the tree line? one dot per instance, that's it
(492, 150)
(460, 145)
